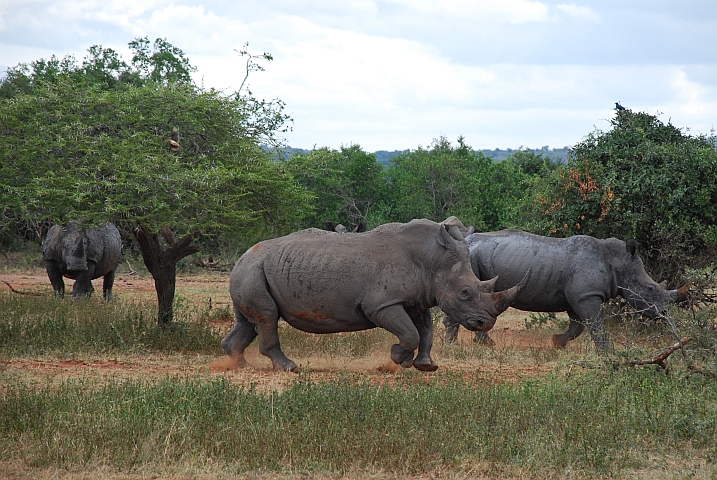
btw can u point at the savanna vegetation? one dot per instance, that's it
(89, 141)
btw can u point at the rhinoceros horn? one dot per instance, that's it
(504, 299)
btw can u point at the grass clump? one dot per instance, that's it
(38, 325)
(597, 424)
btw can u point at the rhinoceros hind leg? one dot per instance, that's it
(482, 338)
(239, 338)
(576, 327)
(269, 346)
(451, 329)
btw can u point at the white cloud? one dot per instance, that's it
(579, 12)
(512, 11)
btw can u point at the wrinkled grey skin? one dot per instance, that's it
(82, 256)
(398, 272)
(576, 275)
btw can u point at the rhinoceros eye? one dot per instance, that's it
(465, 293)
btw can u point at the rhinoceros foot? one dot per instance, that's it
(482, 338)
(286, 366)
(559, 341)
(401, 356)
(429, 366)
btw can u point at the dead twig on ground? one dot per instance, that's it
(35, 294)
(660, 359)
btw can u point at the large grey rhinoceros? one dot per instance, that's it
(83, 256)
(398, 272)
(575, 274)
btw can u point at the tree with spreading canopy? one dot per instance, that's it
(91, 142)
(642, 179)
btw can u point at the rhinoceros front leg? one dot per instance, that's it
(107, 282)
(55, 275)
(424, 325)
(395, 319)
(587, 311)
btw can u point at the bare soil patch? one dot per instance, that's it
(517, 354)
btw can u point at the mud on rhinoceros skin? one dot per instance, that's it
(397, 273)
(574, 275)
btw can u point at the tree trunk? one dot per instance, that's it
(162, 264)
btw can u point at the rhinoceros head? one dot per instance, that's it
(639, 290)
(74, 248)
(461, 295)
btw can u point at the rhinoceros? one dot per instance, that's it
(574, 275)
(83, 256)
(398, 272)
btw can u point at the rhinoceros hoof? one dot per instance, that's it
(286, 367)
(559, 342)
(426, 367)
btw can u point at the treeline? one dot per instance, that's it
(90, 140)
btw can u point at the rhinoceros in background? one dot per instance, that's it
(83, 256)
(398, 272)
(332, 227)
(574, 275)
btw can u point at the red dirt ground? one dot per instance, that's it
(518, 353)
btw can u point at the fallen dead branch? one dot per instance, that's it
(660, 359)
(34, 294)
(656, 360)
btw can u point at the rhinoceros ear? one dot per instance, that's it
(444, 238)
(360, 228)
(631, 246)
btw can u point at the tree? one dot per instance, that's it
(74, 150)
(347, 184)
(444, 180)
(643, 179)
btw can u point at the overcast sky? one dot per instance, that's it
(396, 74)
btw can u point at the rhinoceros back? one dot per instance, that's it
(508, 254)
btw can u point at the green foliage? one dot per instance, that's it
(347, 184)
(445, 180)
(593, 425)
(102, 68)
(645, 180)
(74, 149)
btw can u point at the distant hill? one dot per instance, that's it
(559, 155)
